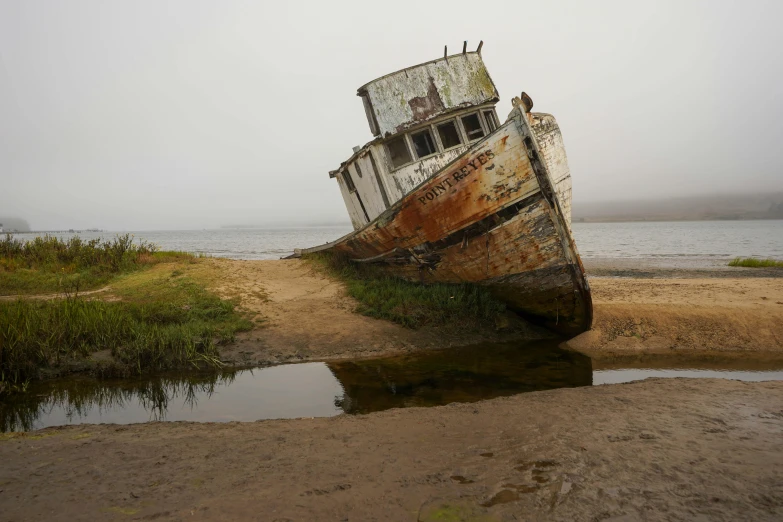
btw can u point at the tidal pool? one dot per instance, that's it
(318, 389)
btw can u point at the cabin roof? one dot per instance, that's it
(360, 152)
(408, 97)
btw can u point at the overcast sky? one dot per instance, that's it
(196, 114)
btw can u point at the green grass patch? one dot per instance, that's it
(411, 304)
(752, 262)
(157, 316)
(48, 264)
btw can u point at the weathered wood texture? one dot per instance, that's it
(417, 94)
(366, 202)
(490, 217)
(373, 177)
(550, 142)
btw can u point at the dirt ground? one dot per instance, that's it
(308, 316)
(636, 316)
(662, 449)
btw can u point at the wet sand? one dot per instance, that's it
(670, 449)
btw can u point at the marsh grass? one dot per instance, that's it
(411, 304)
(50, 264)
(158, 316)
(752, 262)
(142, 336)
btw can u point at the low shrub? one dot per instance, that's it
(753, 262)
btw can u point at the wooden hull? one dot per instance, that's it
(490, 217)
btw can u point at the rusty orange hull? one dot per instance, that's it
(491, 217)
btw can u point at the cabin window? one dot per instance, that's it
(449, 135)
(398, 152)
(492, 122)
(472, 127)
(349, 181)
(423, 143)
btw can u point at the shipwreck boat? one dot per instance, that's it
(445, 193)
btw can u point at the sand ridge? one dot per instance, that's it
(670, 315)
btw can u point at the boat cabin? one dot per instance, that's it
(422, 117)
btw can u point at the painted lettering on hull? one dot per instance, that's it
(456, 177)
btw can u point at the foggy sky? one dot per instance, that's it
(195, 114)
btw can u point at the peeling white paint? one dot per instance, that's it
(418, 94)
(550, 143)
(424, 96)
(398, 183)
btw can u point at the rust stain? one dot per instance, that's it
(425, 107)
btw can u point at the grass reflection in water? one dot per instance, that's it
(82, 396)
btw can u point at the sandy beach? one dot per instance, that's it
(661, 449)
(706, 315)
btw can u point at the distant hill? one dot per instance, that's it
(10, 224)
(695, 208)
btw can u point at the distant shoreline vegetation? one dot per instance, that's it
(751, 262)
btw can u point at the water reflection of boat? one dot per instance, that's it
(444, 193)
(458, 375)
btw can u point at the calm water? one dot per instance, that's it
(685, 243)
(693, 243)
(317, 389)
(254, 243)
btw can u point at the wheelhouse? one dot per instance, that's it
(422, 118)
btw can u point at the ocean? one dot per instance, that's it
(692, 244)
